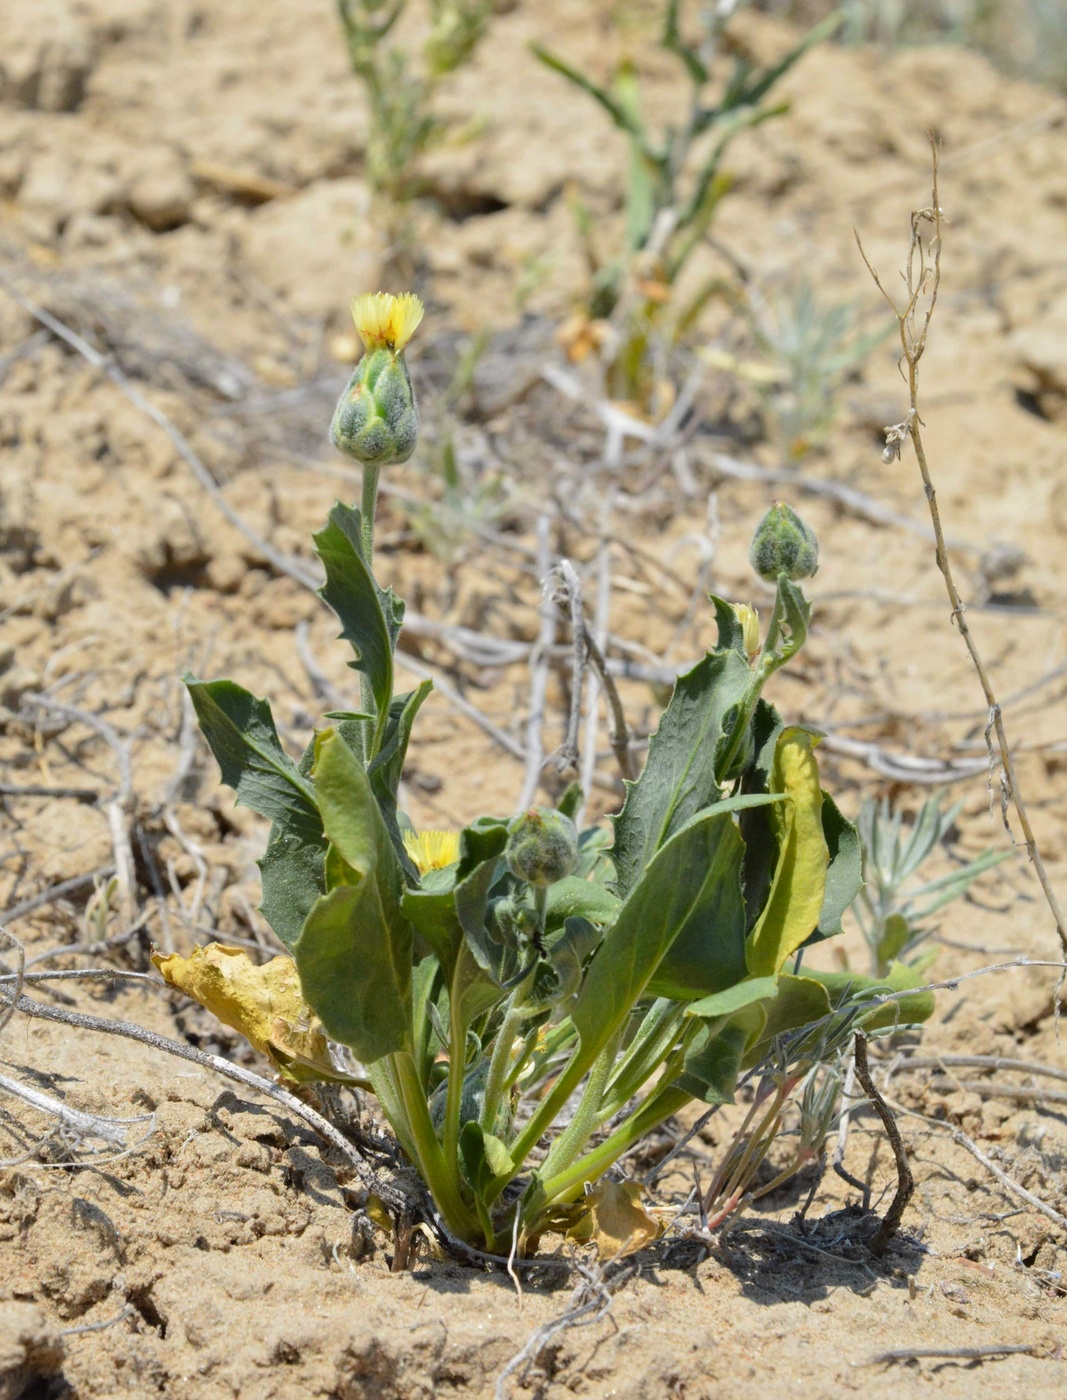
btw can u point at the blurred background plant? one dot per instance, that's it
(400, 82)
(632, 316)
(1026, 37)
(798, 354)
(895, 908)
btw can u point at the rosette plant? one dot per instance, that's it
(526, 1001)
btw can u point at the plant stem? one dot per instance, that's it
(373, 730)
(457, 1059)
(368, 506)
(438, 1174)
(500, 1061)
(577, 1133)
(648, 1115)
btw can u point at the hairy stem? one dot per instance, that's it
(438, 1174)
(578, 1131)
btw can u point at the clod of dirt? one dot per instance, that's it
(30, 1348)
(47, 55)
(307, 247)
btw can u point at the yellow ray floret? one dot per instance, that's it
(432, 850)
(384, 320)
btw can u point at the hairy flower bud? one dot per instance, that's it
(376, 420)
(783, 544)
(542, 847)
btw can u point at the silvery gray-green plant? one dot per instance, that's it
(402, 122)
(526, 1001)
(675, 181)
(895, 905)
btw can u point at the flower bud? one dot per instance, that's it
(376, 420)
(542, 847)
(783, 544)
(748, 617)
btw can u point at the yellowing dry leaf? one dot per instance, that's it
(616, 1221)
(263, 1002)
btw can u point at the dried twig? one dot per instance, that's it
(990, 1089)
(128, 1311)
(539, 669)
(923, 281)
(906, 1063)
(886, 1358)
(118, 809)
(569, 593)
(391, 1195)
(589, 1302)
(54, 892)
(959, 1137)
(905, 1181)
(113, 1131)
(77, 794)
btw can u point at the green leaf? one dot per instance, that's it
(482, 1157)
(850, 986)
(714, 1061)
(618, 113)
(568, 952)
(571, 800)
(386, 768)
(432, 912)
(679, 884)
(767, 79)
(481, 846)
(573, 896)
(678, 779)
(293, 878)
(801, 1001)
(734, 998)
(792, 910)
(370, 616)
(354, 953)
(757, 827)
(707, 953)
(240, 731)
(894, 939)
(796, 617)
(844, 875)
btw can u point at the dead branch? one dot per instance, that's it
(905, 1181)
(887, 1358)
(539, 669)
(392, 1196)
(113, 1131)
(589, 1302)
(923, 282)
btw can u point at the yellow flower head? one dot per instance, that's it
(385, 321)
(748, 617)
(432, 850)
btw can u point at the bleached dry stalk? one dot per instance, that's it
(923, 280)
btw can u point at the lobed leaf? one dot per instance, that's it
(370, 616)
(679, 777)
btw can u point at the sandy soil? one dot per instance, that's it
(181, 184)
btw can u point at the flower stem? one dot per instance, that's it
(500, 1062)
(577, 1133)
(659, 1105)
(368, 506)
(438, 1174)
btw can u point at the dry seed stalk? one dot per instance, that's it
(923, 279)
